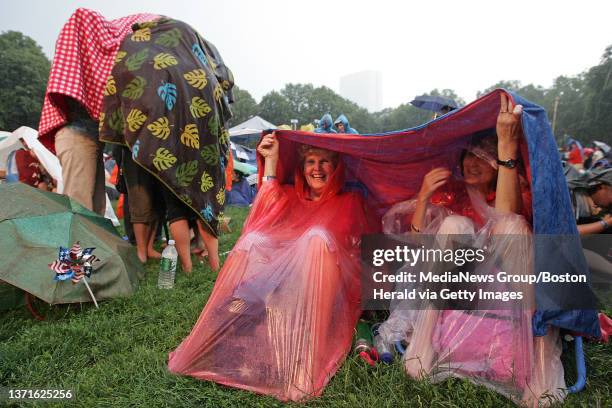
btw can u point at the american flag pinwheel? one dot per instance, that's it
(74, 264)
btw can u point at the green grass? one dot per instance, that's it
(116, 357)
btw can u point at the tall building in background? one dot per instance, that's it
(364, 88)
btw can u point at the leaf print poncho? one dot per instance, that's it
(167, 100)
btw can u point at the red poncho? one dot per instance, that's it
(575, 156)
(281, 316)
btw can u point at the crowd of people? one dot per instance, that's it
(588, 172)
(340, 125)
(599, 155)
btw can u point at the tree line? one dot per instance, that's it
(583, 102)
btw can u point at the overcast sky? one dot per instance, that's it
(416, 45)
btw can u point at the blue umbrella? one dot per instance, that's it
(569, 142)
(438, 104)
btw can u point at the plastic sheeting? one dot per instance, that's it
(495, 348)
(281, 316)
(234, 341)
(388, 168)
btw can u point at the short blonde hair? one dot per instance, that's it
(304, 150)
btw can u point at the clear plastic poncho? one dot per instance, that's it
(495, 348)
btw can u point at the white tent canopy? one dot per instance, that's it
(8, 142)
(252, 126)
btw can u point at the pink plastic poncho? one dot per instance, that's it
(280, 318)
(495, 348)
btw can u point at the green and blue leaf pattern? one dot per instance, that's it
(168, 94)
(158, 87)
(197, 50)
(135, 61)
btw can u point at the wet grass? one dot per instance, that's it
(116, 357)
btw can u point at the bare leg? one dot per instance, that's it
(547, 383)
(199, 248)
(420, 353)
(180, 233)
(151, 252)
(419, 357)
(142, 234)
(212, 245)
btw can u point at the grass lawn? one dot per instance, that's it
(116, 357)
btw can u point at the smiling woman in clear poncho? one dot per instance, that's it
(491, 209)
(281, 316)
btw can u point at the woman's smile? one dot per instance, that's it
(318, 167)
(478, 171)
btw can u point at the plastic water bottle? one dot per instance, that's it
(385, 352)
(167, 267)
(363, 338)
(363, 343)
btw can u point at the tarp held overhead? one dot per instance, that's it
(388, 168)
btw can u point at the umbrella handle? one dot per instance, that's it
(28, 302)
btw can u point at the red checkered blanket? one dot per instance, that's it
(84, 54)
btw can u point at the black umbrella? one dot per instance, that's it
(438, 104)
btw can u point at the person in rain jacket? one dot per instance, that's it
(326, 125)
(342, 125)
(592, 199)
